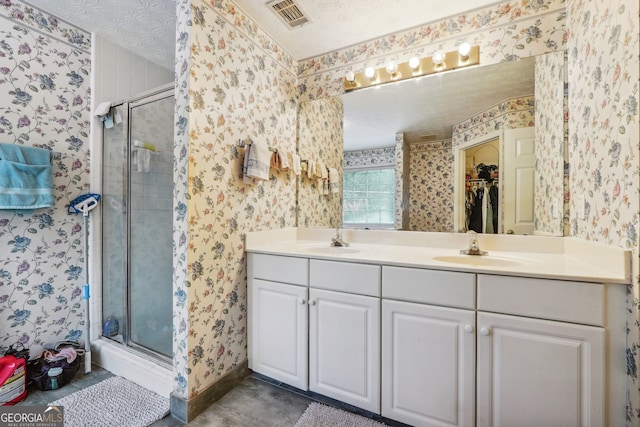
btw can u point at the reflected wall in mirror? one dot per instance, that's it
(434, 115)
(320, 145)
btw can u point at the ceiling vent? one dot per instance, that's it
(289, 12)
(428, 137)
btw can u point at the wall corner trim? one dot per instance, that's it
(185, 410)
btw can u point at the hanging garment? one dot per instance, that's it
(475, 222)
(485, 200)
(488, 226)
(493, 196)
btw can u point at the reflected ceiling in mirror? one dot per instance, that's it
(427, 108)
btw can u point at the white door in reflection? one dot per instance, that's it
(517, 176)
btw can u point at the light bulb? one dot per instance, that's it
(414, 63)
(438, 57)
(392, 67)
(464, 50)
(350, 76)
(369, 72)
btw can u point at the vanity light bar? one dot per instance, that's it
(426, 66)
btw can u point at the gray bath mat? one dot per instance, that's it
(318, 415)
(114, 402)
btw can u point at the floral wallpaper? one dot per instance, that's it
(551, 121)
(506, 31)
(511, 114)
(603, 75)
(376, 157)
(320, 139)
(402, 187)
(232, 84)
(182, 293)
(233, 81)
(603, 63)
(45, 66)
(431, 186)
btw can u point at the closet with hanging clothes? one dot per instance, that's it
(482, 209)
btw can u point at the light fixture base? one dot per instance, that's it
(452, 60)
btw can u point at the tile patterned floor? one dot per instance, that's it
(252, 403)
(256, 401)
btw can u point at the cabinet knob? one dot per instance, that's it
(302, 301)
(485, 331)
(312, 302)
(468, 329)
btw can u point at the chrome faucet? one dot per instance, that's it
(337, 241)
(474, 245)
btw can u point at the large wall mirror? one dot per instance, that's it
(449, 135)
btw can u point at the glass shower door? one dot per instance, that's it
(114, 231)
(150, 227)
(137, 225)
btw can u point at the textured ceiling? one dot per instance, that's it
(146, 27)
(335, 24)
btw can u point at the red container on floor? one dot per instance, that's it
(13, 380)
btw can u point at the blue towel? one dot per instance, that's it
(26, 180)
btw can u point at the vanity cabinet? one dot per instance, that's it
(428, 351)
(278, 321)
(533, 371)
(344, 332)
(428, 364)
(315, 325)
(344, 347)
(433, 348)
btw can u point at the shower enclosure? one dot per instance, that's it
(137, 224)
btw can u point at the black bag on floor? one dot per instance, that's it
(38, 372)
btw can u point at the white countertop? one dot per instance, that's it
(531, 256)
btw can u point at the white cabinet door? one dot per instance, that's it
(535, 372)
(278, 331)
(344, 347)
(428, 364)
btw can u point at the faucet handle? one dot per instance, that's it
(473, 240)
(474, 245)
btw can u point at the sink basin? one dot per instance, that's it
(332, 250)
(486, 260)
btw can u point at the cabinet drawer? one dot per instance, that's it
(360, 279)
(429, 286)
(547, 299)
(279, 268)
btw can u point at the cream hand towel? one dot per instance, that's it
(284, 160)
(245, 178)
(295, 164)
(259, 161)
(334, 180)
(311, 168)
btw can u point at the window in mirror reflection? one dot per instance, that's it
(369, 198)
